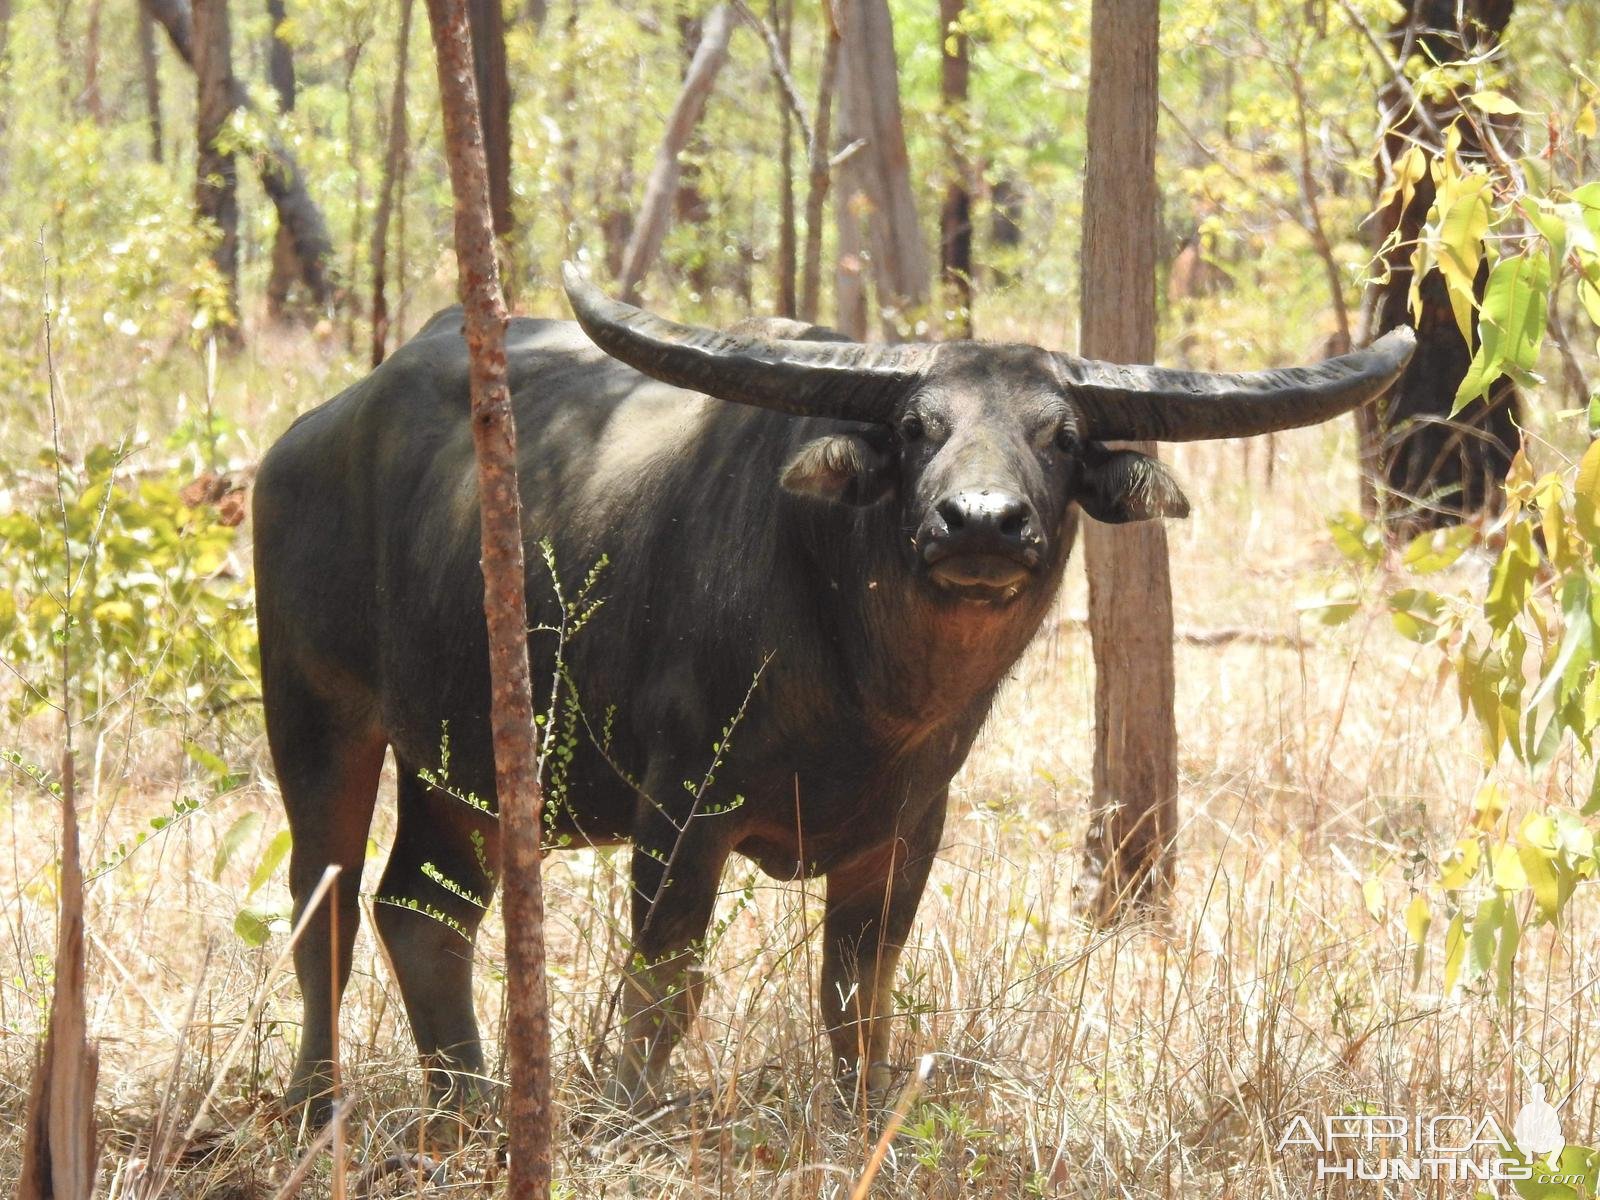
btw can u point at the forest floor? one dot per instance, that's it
(1165, 1058)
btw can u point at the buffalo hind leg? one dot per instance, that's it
(440, 876)
(328, 777)
(663, 982)
(871, 904)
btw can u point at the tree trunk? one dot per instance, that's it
(1005, 230)
(488, 21)
(5, 89)
(613, 196)
(494, 437)
(150, 73)
(955, 214)
(59, 1150)
(849, 276)
(1128, 859)
(394, 156)
(358, 206)
(567, 168)
(91, 66)
(281, 177)
(655, 210)
(878, 176)
(819, 168)
(280, 57)
(280, 73)
(217, 182)
(689, 204)
(1422, 468)
(788, 301)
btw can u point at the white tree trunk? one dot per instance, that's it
(655, 210)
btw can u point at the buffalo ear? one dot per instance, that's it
(1124, 485)
(843, 469)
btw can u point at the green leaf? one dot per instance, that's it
(1434, 551)
(1578, 637)
(1355, 537)
(1512, 579)
(205, 758)
(277, 848)
(1485, 929)
(1460, 866)
(1335, 607)
(1548, 220)
(1506, 870)
(238, 833)
(254, 925)
(1506, 967)
(1511, 323)
(1455, 951)
(1372, 896)
(1586, 495)
(1575, 1162)
(1463, 205)
(1418, 918)
(1496, 103)
(1415, 614)
(1542, 878)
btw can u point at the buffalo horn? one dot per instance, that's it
(1161, 405)
(844, 380)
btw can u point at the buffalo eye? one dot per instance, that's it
(1066, 440)
(911, 428)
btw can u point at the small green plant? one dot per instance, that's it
(944, 1138)
(159, 606)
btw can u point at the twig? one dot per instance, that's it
(780, 68)
(846, 154)
(1196, 635)
(1396, 71)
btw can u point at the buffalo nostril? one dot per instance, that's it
(1012, 521)
(953, 513)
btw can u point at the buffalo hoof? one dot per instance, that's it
(871, 1090)
(309, 1100)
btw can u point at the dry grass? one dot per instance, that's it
(1157, 1060)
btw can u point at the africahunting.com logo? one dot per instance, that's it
(1536, 1160)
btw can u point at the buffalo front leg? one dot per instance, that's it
(676, 873)
(871, 903)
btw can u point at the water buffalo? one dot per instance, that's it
(843, 563)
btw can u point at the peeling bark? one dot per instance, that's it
(494, 437)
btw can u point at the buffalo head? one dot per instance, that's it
(984, 447)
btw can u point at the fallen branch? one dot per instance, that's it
(1195, 635)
